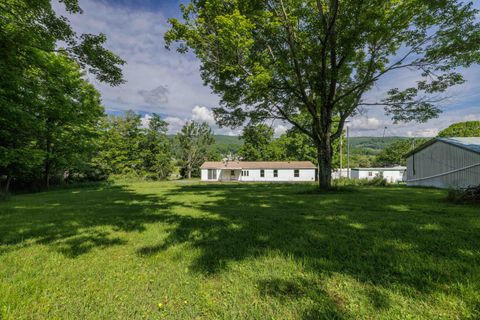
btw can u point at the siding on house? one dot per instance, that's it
(394, 174)
(445, 163)
(251, 171)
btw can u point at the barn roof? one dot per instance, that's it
(467, 143)
(257, 165)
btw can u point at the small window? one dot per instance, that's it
(275, 173)
(212, 174)
(370, 173)
(262, 173)
(296, 173)
(232, 173)
(245, 173)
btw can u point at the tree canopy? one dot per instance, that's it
(462, 129)
(280, 59)
(193, 145)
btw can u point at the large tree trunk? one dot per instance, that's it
(324, 157)
(189, 173)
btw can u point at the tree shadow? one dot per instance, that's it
(76, 221)
(385, 237)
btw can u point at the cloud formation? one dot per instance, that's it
(168, 83)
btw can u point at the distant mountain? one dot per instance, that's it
(364, 146)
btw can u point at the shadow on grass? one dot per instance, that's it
(387, 237)
(74, 221)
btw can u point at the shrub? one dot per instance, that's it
(464, 195)
(377, 181)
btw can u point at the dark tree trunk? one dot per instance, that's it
(324, 157)
(7, 183)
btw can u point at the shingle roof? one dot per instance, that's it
(258, 165)
(467, 143)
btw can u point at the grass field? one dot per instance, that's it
(238, 251)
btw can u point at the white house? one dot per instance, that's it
(445, 163)
(258, 171)
(393, 174)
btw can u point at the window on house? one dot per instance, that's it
(212, 174)
(296, 173)
(275, 173)
(232, 173)
(245, 173)
(370, 173)
(262, 173)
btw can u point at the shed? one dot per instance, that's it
(445, 163)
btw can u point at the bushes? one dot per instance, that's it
(464, 195)
(377, 181)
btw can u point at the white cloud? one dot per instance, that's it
(174, 124)
(168, 83)
(203, 114)
(366, 123)
(280, 129)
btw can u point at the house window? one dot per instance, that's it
(212, 174)
(275, 173)
(370, 173)
(232, 173)
(245, 173)
(262, 173)
(296, 173)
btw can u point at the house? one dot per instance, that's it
(393, 174)
(445, 163)
(258, 171)
(341, 173)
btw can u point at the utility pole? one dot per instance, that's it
(348, 152)
(341, 158)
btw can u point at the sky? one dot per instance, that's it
(168, 83)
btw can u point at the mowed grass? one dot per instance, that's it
(238, 251)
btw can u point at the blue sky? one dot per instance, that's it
(169, 84)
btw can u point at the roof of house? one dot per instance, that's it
(258, 165)
(381, 169)
(467, 143)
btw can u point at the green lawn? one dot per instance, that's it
(238, 251)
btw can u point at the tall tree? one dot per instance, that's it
(194, 141)
(257, 143)
(395, 153)
(462, 129)
(277, 59)
(156, 149)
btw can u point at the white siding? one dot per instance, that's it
(254, 175)
(389, 175)
(438, 159)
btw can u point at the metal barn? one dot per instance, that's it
(445, 163)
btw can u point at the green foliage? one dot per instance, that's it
(464, 195)
(345, 182)
(30, 27)
(164, 250)
(257, 143)
(49, 112)
(318, 59)
(194, 146)
(126, 149)
(395, 153)
(462, 129)
(47, 131)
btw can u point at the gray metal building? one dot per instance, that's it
(445, 163)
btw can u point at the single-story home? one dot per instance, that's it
(445, 163)
(393, 174)
(258, 171)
